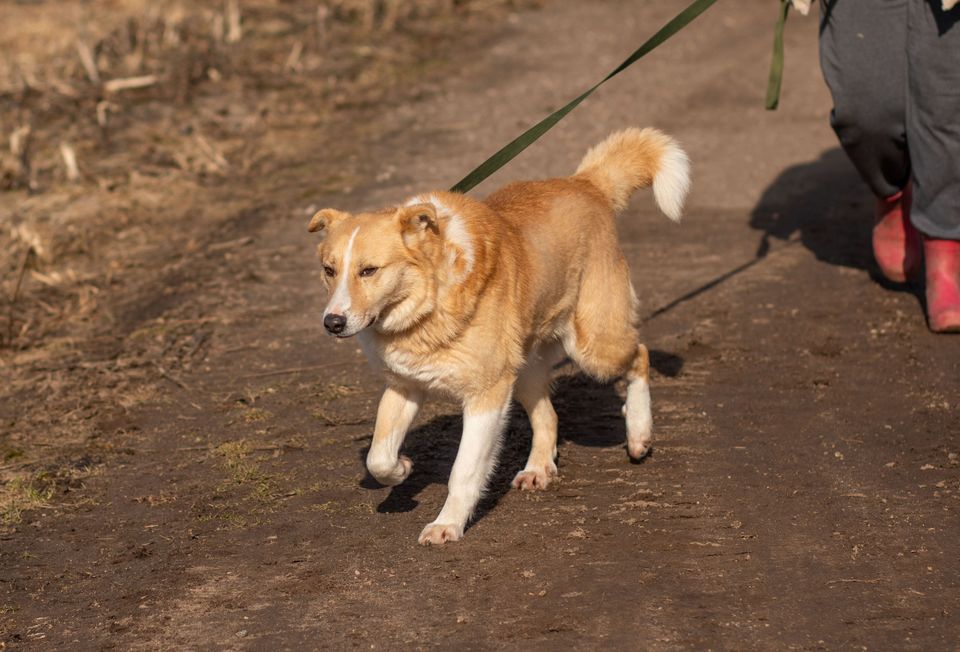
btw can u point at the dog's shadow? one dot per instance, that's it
(589, 414)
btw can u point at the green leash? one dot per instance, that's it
(776, 61)
(531, 135)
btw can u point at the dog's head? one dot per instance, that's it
(379, 268)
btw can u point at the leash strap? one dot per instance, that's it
(531, 135)
(776, 60)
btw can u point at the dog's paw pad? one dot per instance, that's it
(437, 534)
(533, 479)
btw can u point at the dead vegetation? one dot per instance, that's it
(115, 107)
(24, 493)
(243, 469)
(140, 142)
(77, 76)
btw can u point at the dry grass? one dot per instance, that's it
(137, 137)
(109, 109)
(83, 70)
(256, 415)
(243, 470)
(23, 494)
(329, 418)
(331, 391)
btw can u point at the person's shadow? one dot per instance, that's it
(588, 413)
(825, 206)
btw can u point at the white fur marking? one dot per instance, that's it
(340, 300)
(672, 181)
(383, 460)
(456, 234)
(455, 231)
(475, 461)
(639, 418)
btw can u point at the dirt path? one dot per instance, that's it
(803, 489)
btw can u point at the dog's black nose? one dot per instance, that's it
(335, 323)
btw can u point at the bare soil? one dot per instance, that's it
(182, 446)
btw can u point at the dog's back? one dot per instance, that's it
(567, 224)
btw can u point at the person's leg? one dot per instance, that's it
(933, 117)
(863, 57)
(933, 131)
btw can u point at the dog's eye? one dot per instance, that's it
(329, 271)
(368, 271)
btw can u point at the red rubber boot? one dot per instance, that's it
(896, 244)
(943, 284)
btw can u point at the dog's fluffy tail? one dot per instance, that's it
(637, 158)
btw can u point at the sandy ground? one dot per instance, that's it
(802, 493)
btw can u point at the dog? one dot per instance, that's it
(479, 300)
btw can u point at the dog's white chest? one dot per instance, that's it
(425, 368)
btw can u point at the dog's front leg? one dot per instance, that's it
(484, 419)
(398, 408)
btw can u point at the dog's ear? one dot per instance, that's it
(326, 218)
(416, 222)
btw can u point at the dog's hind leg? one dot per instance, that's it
(484, 418)
(603, 340)
(533, 393)
(635, 368)
(398, 408)
(637, 408)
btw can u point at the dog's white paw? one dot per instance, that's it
(535, 479)
(638, 449)
(437, 534)
(639, 419)
(404, 467)
(394, 474)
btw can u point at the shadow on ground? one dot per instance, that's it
(822, 205)
(588, 412)
(828, 208)
(825, 204)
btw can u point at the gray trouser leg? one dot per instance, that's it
(893, 68)
(863, 55)
(933, 117)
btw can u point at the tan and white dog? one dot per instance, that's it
(480, 299)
